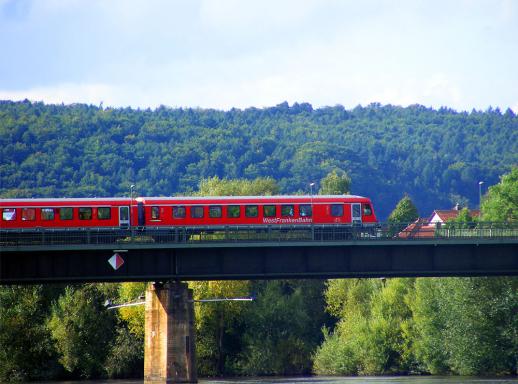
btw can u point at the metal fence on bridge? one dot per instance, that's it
(235, 234)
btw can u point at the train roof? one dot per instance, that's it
(64, 199)
(177, 198)
(272, 197)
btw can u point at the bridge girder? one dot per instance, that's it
(155, 262)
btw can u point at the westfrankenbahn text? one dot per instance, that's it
(287, 220)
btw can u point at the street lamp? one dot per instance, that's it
(480, 194)
(132, 187)
(311, 197)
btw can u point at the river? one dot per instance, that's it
(330, 380)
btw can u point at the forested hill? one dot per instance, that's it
(436, 156)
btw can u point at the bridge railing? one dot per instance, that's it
(273, 233)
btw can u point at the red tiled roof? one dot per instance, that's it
(450, 214)
(419, 229)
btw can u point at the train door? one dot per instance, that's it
(124, 217)
(356, 213)
(141, 214)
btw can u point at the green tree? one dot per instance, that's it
(134, 316)
(464, 216)
(26, 350)
(466, 326)
(405, 211)
(218, 325)
(427, 337)
(280, 328)
(336, 182)
(125, 358)
(214, 186)
(373, 332)
(126, 355)
(349, 300)
(481, 325)
(82, 330)
(501, 200)
(382, 346)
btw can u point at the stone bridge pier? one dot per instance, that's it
(169, 351)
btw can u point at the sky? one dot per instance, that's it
(227, 54)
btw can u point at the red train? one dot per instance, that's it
(144, 212)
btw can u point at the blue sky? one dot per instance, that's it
(238, 53)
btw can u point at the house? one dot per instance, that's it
(425, 228)
(443, 216)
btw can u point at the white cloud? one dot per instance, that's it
(258, 15)
(234, 53)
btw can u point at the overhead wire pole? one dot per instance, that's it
(216, 300)
(109, 306)
(311, 199)
(125, 305)
(480, 194)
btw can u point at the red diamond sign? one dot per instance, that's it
(116, 261)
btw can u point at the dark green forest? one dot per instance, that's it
(436, 156)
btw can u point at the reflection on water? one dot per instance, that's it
(373, 380)
(328, 380)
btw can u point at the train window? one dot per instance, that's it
(9, 214)
(233, 211)
(251, 210)
(124, 215)
(197, 212)
(28, 214)
(85, 213)
(287, 210)
(305, 210)
(179, 212)
(337, 210)
(66, 213)
(104, 213)
(155, 213)
(215, 211)
(269, 211)
(367, 210)
(47, 213)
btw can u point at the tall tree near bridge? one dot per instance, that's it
(82, 329)
(261, 186)
(501, 200)
(336, 182)
(405, 211)
(26, 350)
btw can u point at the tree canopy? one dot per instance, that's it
(501, 201)
(335, 183)
(405, 211)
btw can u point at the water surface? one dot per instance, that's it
(330, 380)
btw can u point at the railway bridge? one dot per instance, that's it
(168, 256)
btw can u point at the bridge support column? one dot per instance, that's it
(169, 353)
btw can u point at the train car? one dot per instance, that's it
(163, 212)
(254, 210)
(65, 213)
